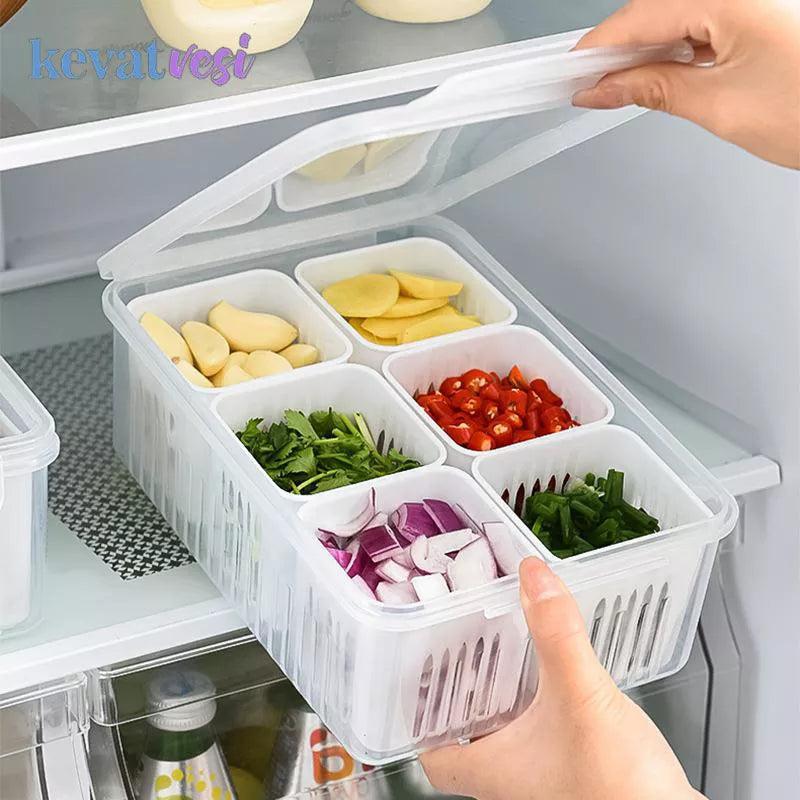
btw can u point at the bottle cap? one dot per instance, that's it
(181, 699)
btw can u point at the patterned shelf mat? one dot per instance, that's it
(91, 491)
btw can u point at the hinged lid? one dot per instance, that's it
(389, 165)
(28, 440)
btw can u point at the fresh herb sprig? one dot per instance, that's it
(589, 515)
(321, 451)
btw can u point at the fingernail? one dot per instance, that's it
(537, 581)
(604, 95)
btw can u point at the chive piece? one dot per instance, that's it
(582, 546)
(565, 553)
(638, 517)
(581, 509)
(614, 488)
(590, 479)
(565, 518)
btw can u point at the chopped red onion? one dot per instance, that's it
(427, 558)
(342, 557)
(357, 560)
(380, 543)
(370, 576)
(404, 557)
(474, 566)
(396, 594)
(361, 585)
(454, 541)
(445, 518)
(429, 587)
(505, 554)
(393, 572)
(412, 520)
(379, 519)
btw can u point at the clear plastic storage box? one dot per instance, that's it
(390, 680)
(28, 445)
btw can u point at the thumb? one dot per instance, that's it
(683, 90)
(568, 666)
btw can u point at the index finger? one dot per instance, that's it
(650, 22)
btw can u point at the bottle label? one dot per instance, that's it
(204, 777)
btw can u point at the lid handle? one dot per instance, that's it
(527, 85)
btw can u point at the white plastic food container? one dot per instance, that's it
(635, 596)
(422, 11)
(494, 350)
(28, 445)
(249, 536)
(347, 389)
(422, 256)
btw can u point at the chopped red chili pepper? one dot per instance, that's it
(491, 410)
(502, 432)
(532, 422)
(460, 433)
(476, 379)
(491, 392)
(541, 388)
(523, 436)
(513, 418)
(514, 400)
(450, 386)
(516, 378)
(481, 441)
(466, 401)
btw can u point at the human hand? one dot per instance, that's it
(580, 739)
(751, 94)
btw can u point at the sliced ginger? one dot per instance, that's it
(394, 328)
(358, 326)
(438, 326)
(367, 295)
(412, 307)
(425, 288)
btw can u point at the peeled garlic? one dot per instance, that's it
(209, 348)
(169, 341)
(230, 376)
(301, 355)
(191, 374)
(250, 330)
(234, 360)
(262, 363)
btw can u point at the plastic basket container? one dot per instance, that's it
(347, 389)
(28, 445)
(637, 596)
(421, 255)
(495, 349)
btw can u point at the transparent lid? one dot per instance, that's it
(389, 165)
(28, 440)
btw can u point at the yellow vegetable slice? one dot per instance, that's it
(394, 328)
(412, 307)
(356, 325)
(366, 295)
(334, 166)
(425, 288)
(438, 326)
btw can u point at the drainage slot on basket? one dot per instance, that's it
(524, 695)
(597, 624)
(612, 637)
(477, 658)
(619, 644)
(655, 633)
(422, 697)
(490, 679)
(637, 637)
(455, 691)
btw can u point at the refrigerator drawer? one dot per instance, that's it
(42, 746)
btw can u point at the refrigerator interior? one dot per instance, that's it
(668, 223)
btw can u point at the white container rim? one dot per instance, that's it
(497, 295)
(488, 331)
(708, 519)
(290, 285)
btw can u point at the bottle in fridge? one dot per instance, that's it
(182, 755)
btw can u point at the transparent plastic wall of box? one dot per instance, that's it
(41, 732)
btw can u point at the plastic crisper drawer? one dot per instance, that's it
(42, 752)
(28, 444)
(391, 680)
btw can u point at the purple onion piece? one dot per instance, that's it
(474, 566)
(411, 520)
(454, 541)
(466, 520)
(396, 594)
(499, 537)
(443, 515)
(357, 524)
(380, 543)
(370, 577)
(427, 559)
(393, 572)
(362, 586)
